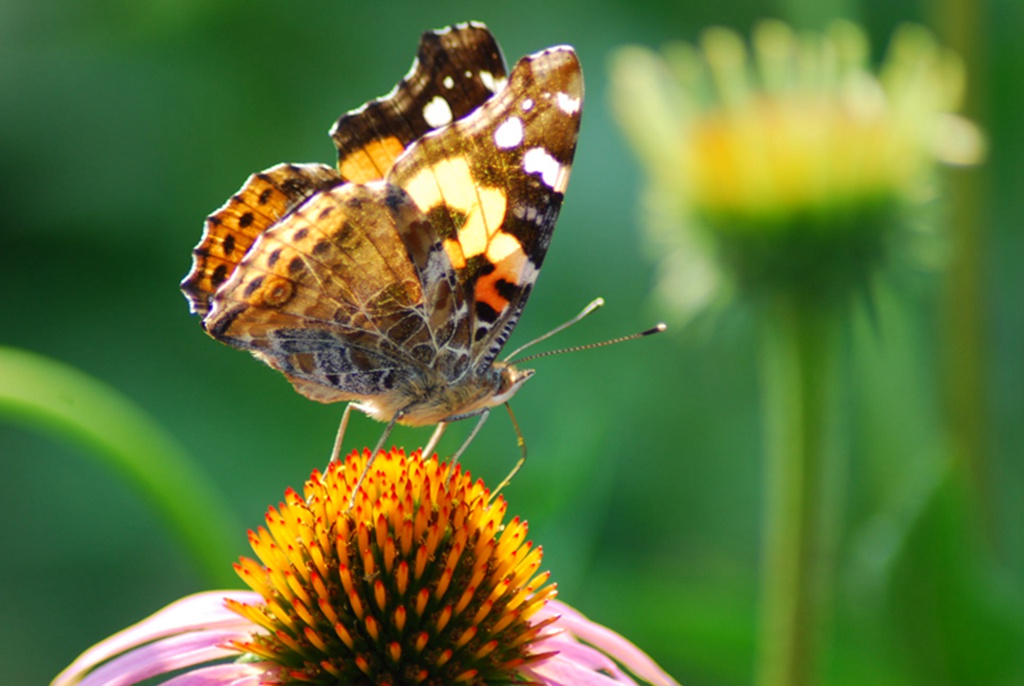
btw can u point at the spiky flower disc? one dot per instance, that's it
(419, 582)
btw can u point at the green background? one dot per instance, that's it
(123, 123)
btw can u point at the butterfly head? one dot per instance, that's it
(475, 395)
(510, 379)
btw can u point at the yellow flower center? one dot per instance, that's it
(420, 582)
(798, 155)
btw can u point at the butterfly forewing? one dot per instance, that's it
(492, 185)
(456, 70)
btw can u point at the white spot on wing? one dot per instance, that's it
(490, 83)
(525, 212)
(527, 104)
(437, 112)
(539, 161)
(509, 134)
(568, 104)
(488, 80)
(449, 82)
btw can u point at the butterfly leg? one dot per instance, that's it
(521, 442)
(373, 456)
(336, 452)
(465, 444)
(434, 438)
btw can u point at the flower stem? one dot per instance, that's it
(800, 386)
(965, 366)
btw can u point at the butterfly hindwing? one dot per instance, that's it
(456, 70)
(330, 296)
(492, 185)
(231, 230)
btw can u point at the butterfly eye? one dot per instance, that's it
(511, 380)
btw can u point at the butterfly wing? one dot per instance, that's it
(456, 70)
(231, 230)
(330, 297)
(389, 290)
(492, 184)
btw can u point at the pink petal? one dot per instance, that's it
(192, 613)
(560, 671)
(234, 674)
(165, 655)
(607, 642)
(588, 657)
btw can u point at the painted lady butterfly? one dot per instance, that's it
(395, 280)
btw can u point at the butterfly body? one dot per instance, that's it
(395, 281)
(432, 398)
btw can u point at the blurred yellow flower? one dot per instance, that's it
(791, 161)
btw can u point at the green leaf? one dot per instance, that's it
(60, 400)
(958, 620)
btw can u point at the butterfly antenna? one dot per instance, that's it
(576, 348)
(593, 305)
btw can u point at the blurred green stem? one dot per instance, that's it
(962, 24)
(800, 350)
(37, 391)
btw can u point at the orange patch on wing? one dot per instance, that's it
(486, 292)
(508, 270)
(455, 254)
(372, 161)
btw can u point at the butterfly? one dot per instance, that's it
(394, 280)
